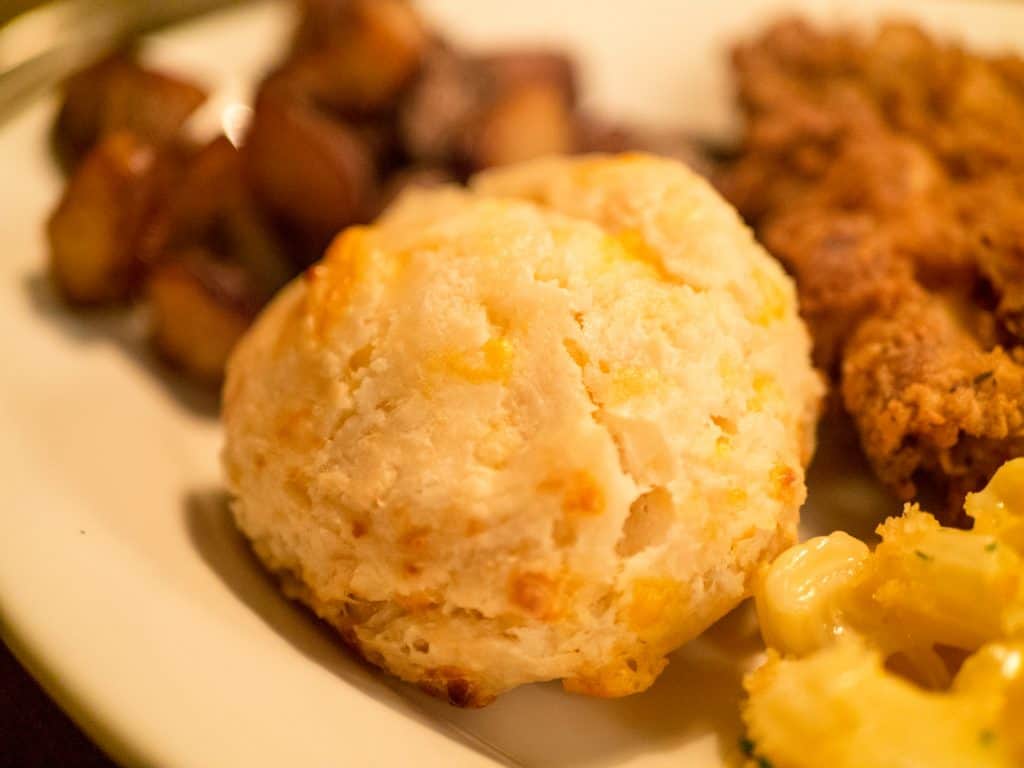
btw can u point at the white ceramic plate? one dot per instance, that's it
(123, 585)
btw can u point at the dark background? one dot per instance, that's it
(34, 733)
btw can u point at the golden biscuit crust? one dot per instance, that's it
(543, 429)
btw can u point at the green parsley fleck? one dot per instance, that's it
(986, 737)
(747, 747)
(991, 546)
(923, 555)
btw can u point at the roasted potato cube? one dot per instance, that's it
(314, 171)
(80, 117)
(188, 207)
(452, 102)
(357, 55)
(527, 121)
(509, 70)
(440, 105)
(91, 233)
(248, 239)
(412, 178)
(209, 205)
(596, 135)
(116, 94)
(673, 144)
(199, 308)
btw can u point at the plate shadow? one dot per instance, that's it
(125, 328)
(537, 725)
(222, 547)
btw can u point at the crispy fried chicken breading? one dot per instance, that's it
(845, 270)
(886, 171)
(927, 397)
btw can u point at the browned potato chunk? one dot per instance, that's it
(480, 111)
(117, 94)
(199, 308)
(440, 105)
(210, 205)
(412, 178)
(356, 55)
(527, 121)
(456, 109)
(92, 230)
(510, 69)
(314, 171)
(186, 211)
(596, 135)
(674, 144)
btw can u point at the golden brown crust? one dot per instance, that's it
(927, 397)
(887, 173)
(543, 429)
(844, 272)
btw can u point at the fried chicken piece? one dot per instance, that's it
(930, 401)
(879, 217)
(993, 216)
(886, 172)
(901, 185)
(844, 269)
